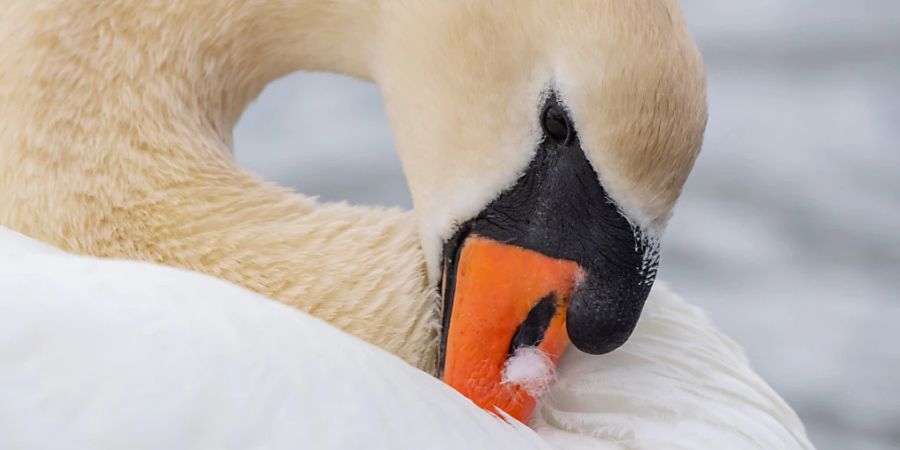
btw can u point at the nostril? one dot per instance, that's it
(531, 332)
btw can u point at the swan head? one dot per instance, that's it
(545, 144)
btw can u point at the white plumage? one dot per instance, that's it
(678, 383)
(119, 354)
(104, 354)
(530, 368)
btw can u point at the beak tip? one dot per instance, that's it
(593, 345)
(598, 327)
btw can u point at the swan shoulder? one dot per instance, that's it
(677, 383)
(121, 354)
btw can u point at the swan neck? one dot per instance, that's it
(235, 48)
(187, 61)
(115, 125)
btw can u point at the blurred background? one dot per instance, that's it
(788, 232)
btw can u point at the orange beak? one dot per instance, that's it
(495, 293)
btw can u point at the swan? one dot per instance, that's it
(246, 370)
(552, 137)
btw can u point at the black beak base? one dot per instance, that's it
(558, 207)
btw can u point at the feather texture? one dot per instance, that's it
(113, 354)
(678, 383)
(106, 354)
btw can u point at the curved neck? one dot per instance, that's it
(115, 130)
(249, 43)
(180, 58)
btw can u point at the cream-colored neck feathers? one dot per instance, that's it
(116, 118)
(464, 82)
(115, 140)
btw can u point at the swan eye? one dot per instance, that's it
(556, 124)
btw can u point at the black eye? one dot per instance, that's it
(556, 124)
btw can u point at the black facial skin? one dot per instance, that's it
(559, 208)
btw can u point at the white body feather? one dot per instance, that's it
(119, 354)
(104, 354)
(678, 383)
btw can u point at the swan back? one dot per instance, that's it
(678, 383)
(119, 354)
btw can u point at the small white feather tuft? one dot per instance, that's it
(531, 369)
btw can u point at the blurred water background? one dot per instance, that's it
(788, 232)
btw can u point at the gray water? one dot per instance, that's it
(788, 232)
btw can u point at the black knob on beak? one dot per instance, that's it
(600, 319)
